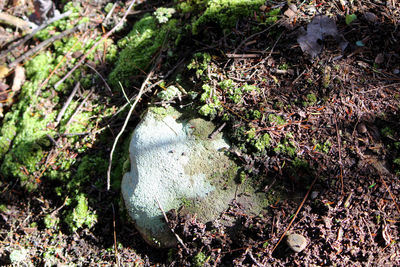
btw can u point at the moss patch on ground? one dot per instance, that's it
(139, 49)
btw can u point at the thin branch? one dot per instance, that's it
(217, 131)
(172, 230)
(66, 104)
(340, 154)
(115, 238)
(123, 91)
(101, 77)
(80, 62)
(110, 12)
(141, 91)
(295, 215)
(79, 108)
(14, 21)
(43, 45)
(29, 36)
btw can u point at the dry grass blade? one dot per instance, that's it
(141, 91)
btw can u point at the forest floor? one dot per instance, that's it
(333, 148)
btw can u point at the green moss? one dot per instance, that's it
(251, 134)
(311, 99)
(263, 142)
(63, 24)
(388, 132)
(25, 124)
(51, 222)
(200, 63)
(163, 14)
(161, 112)
(276, 120)
(141, 44)
(283, 66)
(81, 215)
(210, 110)
(169, 93)
(191, 6)
(90, 168)
(298, 163)
(225, 13)
(3, 208)
(199, 260)
(323, 147)
(286, 147)
(253, 114)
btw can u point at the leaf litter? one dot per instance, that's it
(311, 41)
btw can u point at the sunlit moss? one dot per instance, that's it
(225, 13)
(81, 215)
(139, 47)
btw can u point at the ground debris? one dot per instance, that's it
(317, 30)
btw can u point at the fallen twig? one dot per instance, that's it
(217, 131)
(115, 238)
(101, 77)
(295, 215)
(66, 104)
(79, 108)
(340, 155)
(42, 45)
(172, 230)
(141, 91)
(14, 21)
(110, 12)
(29, 36)
(80, 62)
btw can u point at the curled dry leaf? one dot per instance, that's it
(44, 10)
(386, 235)
(19, 79)
(291, 11)
(317, 30)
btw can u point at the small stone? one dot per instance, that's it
(380, 58)
(371, 17)
(361, 128)
(314, 194)
(296, 242)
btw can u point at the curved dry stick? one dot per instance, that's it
(42, 45)
(29, 36)
(141, 91)
(295, 215)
